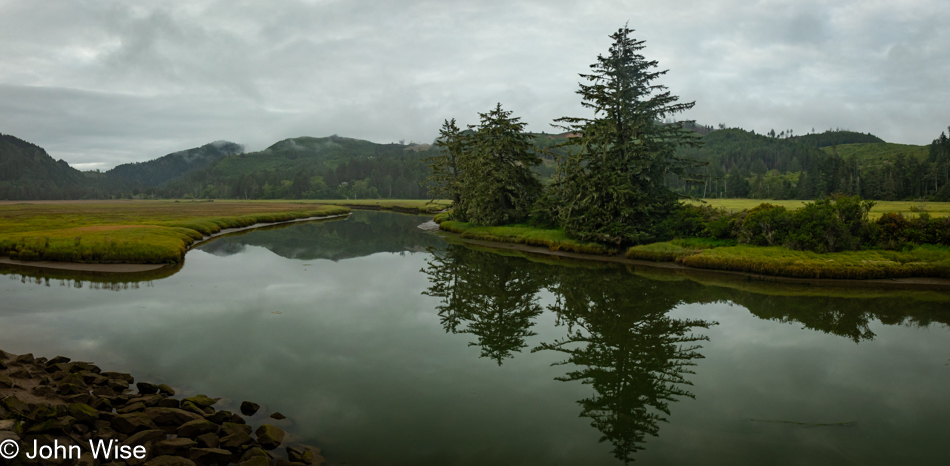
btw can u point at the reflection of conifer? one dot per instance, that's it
(624, 345)
(490, 296)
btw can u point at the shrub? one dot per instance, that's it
(765, 225)
(838, 223)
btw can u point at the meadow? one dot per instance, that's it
(150, 232)
(907, 208)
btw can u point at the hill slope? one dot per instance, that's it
(158, 171)
(28, 172)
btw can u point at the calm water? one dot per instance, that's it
(387, 346)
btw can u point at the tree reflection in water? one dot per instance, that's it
(619, 338)
(486, 295)
(621, 341)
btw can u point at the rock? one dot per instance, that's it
(173, 447)
(25, 358)
(249, 408)
(256, 461)
(210, 456)
(148, 400)
(202, 401)
(269, 437)
(168, 403)
(230, 428)
(220, 417)
(170, 416)
(304, 456)
(83, 412)
(14, 405)
(119, 376)
(118, 384)
(131, 408)
(6, 382)
(88, 366)
(254, 453)
(58, 425)
(235, 441)
(87, 459)
(133, 422)
(237, 419)
(57, 360)
(7, 425)
(167, 390)
(102, 404)
(60, 367)
(191, 407)
(21, 373)
(103, 391)
(278, 416)
(208, 440)
(3, 366)
(44, 391)
(169, 461)
(71, 389)
(145, 436)
(193, 429)
(146, 388)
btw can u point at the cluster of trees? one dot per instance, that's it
(742, 164)
(609, 187)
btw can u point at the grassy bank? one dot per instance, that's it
(704, 253)
(555, 240)
(150, 232)
(908, 208)
(410, 206)
(920, 261)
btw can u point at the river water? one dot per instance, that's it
(386, 345)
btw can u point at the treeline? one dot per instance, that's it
(28, 172)
(742, 164)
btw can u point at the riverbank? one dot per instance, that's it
(926, 266)
(156, 233)
(76, 405)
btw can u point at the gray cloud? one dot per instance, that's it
(101, 83)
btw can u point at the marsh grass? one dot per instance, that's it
(555, 240)
(908, 208)
(920, 261)
(151, 232)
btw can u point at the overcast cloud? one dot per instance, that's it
(101, 82)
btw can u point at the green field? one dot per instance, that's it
(150, 232)
(935, 209)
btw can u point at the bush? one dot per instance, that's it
(765, 225)
(839, 223)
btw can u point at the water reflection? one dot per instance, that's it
(622, 342)
(360, 234)
(78, 279)
(619, 338)
(491, 297)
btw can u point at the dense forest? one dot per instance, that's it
(738, 164)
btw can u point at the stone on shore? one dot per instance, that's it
(249, 408)
(269, 437)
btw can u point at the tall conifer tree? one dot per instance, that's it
(613, 189)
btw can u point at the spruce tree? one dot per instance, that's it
(446, 173)
(612, 190)
(498, 187)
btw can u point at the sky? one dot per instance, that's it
(103, 82)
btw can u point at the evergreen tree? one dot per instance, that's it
(445, 178)
(612, 189)
(498, 186)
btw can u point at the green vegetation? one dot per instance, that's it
(553, 239)
(131, 232)
(906, 208)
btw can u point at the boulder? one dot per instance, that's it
(210, 456)
(169, 461)
(14, 405)
(192, 429)
(145, 436)
(173, 447)
(269, 437)
(166, 390)
(278, 416)
(25, 358)
(119, 376)
(6, 382)
(249, 408)
(235, 441)
(146, 388)
(57, 360)
(170, 416)
(208, 440)
(305, 455)
(131, 423)
(202, 401)
(220, 417)
(83, 412)
(229, 428)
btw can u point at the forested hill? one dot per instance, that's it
(28, 172)
(158, 171)
(744, 164)
(311, 168)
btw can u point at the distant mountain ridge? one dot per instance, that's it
(28, 172)
(163, 169)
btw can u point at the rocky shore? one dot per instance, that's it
(72, 413)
